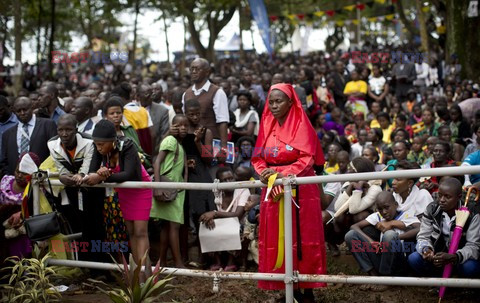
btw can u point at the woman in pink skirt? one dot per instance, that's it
(116, 160)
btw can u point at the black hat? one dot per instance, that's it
(104, 131)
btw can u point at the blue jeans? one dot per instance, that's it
(385, 263)
(469, 269)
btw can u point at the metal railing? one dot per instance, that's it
(290, 276)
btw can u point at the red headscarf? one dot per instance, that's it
(296, 131)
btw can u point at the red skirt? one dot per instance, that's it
(312, 239)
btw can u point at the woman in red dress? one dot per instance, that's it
(287, 144)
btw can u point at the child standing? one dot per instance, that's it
(390, 225)
(171, 163)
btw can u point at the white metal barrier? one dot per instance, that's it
(290, 277)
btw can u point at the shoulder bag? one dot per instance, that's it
(44, 226)
(166, 194)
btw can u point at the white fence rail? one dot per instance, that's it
(290, 277)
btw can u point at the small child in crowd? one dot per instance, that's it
(417, 154)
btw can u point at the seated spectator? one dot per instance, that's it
(231, 203)
(445, 134)
(371, 153)
(357, 148)
(360, 195)
(72, 153)
(250, 232)
(430, 144)
(331, 166)
(386, 127)
(408, 196)
(372, 116)
(428, 127)
(13, 240)
(436, 229)
(246, 119)
(374, 254)
(472, 159)
(417, 154)
(459, 126)
(245, 147)
(401, 123)
(475, 145)
(441, 158)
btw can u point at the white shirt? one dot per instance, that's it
(220, 102)
(416, 202)
(31, 126)
(332, 189)
(81, 127)
(446, 224)
(407, 217)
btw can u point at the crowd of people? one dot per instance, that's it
(311, 115)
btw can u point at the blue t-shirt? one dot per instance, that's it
(473, 159)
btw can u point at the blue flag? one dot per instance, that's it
(259, 14)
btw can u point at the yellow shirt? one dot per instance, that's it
(374, 124)
(387, 133)
(355, 87)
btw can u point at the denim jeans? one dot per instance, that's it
(386, 262)
(469, 269)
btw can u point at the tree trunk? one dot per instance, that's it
(215, 25)
(4, 40)
(423, 27)
(183, 63)
(134, 46)
(166, 36)
(408, 25)
(52, 37)
(17, 13)
(463, 38)
(39, 28)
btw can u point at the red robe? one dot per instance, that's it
(298, 150)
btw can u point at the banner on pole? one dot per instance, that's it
(259, 14)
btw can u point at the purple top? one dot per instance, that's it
(7, 194)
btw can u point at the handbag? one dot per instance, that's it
(44, 226)
(166, 194)
(224, 237)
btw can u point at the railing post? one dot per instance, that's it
(289, 278)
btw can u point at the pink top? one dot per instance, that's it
(7, 194)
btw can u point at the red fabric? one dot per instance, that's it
(145, 139)
(297, 131)
(296, 152)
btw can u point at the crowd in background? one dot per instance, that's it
(162, 119)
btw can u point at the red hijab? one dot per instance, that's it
(296, 131)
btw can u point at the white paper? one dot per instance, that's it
(225, 236)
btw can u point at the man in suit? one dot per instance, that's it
(31, 134)
(158, 113)
(404, 74)
(49, 103)
(340, 77)
(82, 110)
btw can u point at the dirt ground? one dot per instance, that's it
(188, 289)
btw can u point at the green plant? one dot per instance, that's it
(130, 289)
(29, 281)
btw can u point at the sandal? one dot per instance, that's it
(215, 267)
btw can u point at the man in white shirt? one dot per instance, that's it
(213, 100)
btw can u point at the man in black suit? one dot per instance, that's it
(31, 134)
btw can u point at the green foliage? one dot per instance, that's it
(130, 289)
(29, 281)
